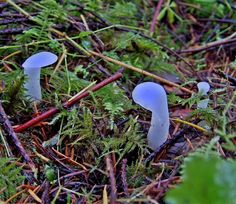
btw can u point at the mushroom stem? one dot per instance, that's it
(202, 104)
(32, 84)
(158, 131)
(203, 88)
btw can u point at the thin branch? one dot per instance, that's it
(208, 46)
(160, 79)
(218, 20)
(155, 16)
(6, 126)
(12, 31)
(45, 195)
(12, 20)
(123, 177)
(113, 194)
(67, 104)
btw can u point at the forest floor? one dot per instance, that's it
(86, 140)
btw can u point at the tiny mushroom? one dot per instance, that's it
(32, 67)
(152, 97)
(203, 88)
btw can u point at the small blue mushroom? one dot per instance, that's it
(203, 88)
(32, 67)
(152, 97)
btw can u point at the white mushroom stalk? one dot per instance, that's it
(32, 68)
(203, 88)
(152, 97)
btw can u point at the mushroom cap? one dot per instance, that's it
(149, 95)
(41, 59)
(203, 87)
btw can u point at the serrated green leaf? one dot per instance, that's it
(206, 179)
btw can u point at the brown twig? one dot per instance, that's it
(12, 20)
(160, 79)
(67, 104)
(15, 15)
(123, 177)
(217, 20)
(45, 195)
(155, 16)
(68, 159)
(49, 154)
(113, 194)
(208, 46)
(6, 125)
(12, 31)
(227, 76)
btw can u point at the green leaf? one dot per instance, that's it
(162, 14)
(171, 16)
(206, 179)
(84, 34)
(50, 173)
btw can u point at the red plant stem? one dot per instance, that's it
(67, 104)
(155, 16)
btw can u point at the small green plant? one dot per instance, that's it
(137, 174)
(207, 114)
(113, 109)
(225, 131)
(169, 10)
(64, 81)
(193, 100)
(122, 13)
(114, 101)
(140, 52)
(10, 178)
(12, 93)
(50, 13)
(206, 179)
(125, 141)
(75, 123)
(50, 173)
(93, 5)
(206, 7)
(81, 70)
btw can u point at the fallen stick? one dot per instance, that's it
(110, 169)
(69, 103)
(6, 126)
(155, 16)
(127, 66)
(208, 46)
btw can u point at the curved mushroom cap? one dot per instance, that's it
(203, 87)
(149, 95)
(41, 59)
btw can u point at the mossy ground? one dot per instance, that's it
(96, 151)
